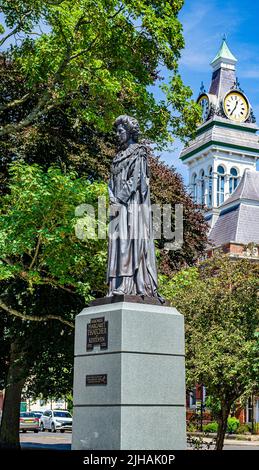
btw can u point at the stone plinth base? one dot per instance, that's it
(138, 401)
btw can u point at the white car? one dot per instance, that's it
(56, 420)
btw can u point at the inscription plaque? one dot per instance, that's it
(98, 379)
(97, 334)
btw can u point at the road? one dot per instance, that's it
(58, 441)
(46, 440)
(241, 446)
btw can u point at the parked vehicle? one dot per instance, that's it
(38, 413)
(56, 420)
(29, 421)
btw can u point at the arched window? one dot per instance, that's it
(202, 179)
(220, 185)
(194, 187)
(210, 187)
(233, 180)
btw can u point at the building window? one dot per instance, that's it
(220, 185)
(202, 187)
(210, 187)
(192, 398)
(233, 180)
(194, 187)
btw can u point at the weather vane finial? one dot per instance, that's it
(202, 88)
(237, 86)
(224, 37)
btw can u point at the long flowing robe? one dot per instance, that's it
(131, 261)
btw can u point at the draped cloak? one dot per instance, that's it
(131, 261)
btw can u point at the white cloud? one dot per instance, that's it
(203, 27)
(248, 62)
(194, 17)
(250, 73)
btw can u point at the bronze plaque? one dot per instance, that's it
(97, 334)
(98, 379)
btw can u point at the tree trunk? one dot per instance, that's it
(9, 431)
(222, 425)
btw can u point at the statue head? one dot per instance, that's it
(127, 130)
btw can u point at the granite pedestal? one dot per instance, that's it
(130, 394)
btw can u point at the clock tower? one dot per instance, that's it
(226, 141)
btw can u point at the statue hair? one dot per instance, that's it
(131, 125)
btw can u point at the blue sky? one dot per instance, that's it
(204, 24)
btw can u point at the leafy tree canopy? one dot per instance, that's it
(220, 302)
(67, 69)
(100, 58)
(38, 242)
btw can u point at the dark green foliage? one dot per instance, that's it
(220, 302)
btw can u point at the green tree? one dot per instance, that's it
(89, 153)
(38, 283)
(53, 140)
(73, 68)
(220, 302)
(38, 221)
(99, 58)
(34, 352)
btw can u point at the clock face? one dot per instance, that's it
(236, 106)
(204, 102)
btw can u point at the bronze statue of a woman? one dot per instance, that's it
(131, 262)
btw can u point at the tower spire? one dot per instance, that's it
(224, 71)
(224, 57)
